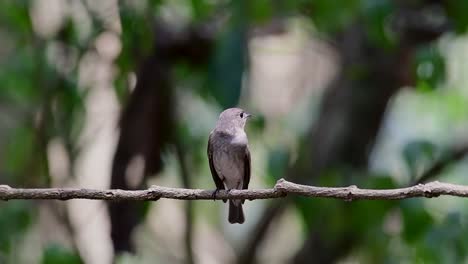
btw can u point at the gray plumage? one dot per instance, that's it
(229, 157)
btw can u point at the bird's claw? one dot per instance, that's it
(214, 194)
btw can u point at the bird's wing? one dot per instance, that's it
(217, 180)
(246, 168)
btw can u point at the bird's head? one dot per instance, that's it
(233, 118)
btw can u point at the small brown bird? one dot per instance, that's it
(229, 157)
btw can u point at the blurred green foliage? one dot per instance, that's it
(418, 154)
(278, 161)
(376, 15)
(430, 68)
(456, 10)
(332, 16)
(230, 58)
(56, 254)
(15, 218)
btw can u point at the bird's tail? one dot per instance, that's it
(236, 214)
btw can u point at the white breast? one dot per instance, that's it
(240, 138)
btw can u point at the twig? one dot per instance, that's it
(442, 164)
(281, 189)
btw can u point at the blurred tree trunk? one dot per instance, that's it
(147, 124)
(353, 111)
(145, 127)
(351, 115)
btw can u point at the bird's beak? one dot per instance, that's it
(248, 115)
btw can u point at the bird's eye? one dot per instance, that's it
(242, 115)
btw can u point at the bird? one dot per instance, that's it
(229, 158)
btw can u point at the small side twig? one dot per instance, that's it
(440, 165)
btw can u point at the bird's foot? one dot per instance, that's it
(215, 192)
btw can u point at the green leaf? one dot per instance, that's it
(429, 68)
(261, 10)
(416, 220)
(457, 12)
(326, 213)
(18, 78)
(15, 15)
(376, 14)
(69, 111)
(278, 160)
(230, 58)
(56, 254)
(377, 182)
(201, 9)
(444, 242)
(137, 38)
(336, 217)
(15, 218)
(332, 15)
(256, 124)
(19, 149)
(418, 154)
(358, 212)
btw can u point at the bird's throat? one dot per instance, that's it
(239, 138)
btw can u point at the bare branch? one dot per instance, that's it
(281, 189)
(442, 164)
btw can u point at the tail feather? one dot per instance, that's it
(236, 214)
